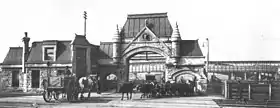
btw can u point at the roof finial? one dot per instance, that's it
(146, 22)
(117, 31)
(176, 32)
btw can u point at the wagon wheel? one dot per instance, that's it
(46, 94)
(72, 91)
(56, 95)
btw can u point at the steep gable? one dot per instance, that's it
(80, 40)
(14, 56)
(156, 22)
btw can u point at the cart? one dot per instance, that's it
(59, 85)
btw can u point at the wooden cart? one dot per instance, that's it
(60, 85)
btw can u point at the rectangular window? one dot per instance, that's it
(15, 78)
(49, 53)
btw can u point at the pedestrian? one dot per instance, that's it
(67, 71)
(98, 85)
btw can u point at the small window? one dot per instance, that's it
(49, 53)
(146, 37)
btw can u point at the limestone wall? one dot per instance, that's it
(43, 75)
(6, 80)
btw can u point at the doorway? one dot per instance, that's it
(81, 65)
(35, 77)
(15, 78)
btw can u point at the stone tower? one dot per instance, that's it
(116, 47)
(175, 39)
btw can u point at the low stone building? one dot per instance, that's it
(47, 58)
(11, 70)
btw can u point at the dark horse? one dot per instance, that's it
(127, 87)
(86, 84)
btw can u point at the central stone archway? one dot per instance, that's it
(138, 50)
(144, 34)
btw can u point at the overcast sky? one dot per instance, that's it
(237, 29)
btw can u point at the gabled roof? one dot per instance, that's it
(190, 48)
(63, 52)
(157, 22)
(80, 40)
(14, 56)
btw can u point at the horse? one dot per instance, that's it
(127, 87)
(87, 84)
(146, 89)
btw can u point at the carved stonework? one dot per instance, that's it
(144, 46)
(146, 38)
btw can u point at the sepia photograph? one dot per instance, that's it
(140, 54)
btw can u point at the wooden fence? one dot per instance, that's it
(252, 90)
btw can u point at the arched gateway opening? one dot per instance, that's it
(144, 61)
(143, 64)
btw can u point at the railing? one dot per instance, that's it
(252, 90)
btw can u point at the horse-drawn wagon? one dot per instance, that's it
(67, 85)
(59, 85)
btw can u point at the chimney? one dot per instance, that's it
(25, 40)
(25, 52)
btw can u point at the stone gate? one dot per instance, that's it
(147, 44)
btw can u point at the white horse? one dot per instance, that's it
(86, 84)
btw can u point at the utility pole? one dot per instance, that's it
(207, 65)
(85, 25)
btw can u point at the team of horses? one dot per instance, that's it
(148, 89)
(154, 89)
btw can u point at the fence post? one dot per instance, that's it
(269, 91)
(225, 89)
(249, 91)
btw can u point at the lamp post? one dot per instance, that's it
(207, 68)
(207, 55)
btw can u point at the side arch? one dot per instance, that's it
(175, 74)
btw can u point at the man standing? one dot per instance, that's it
(98, 85)
(67, 71)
